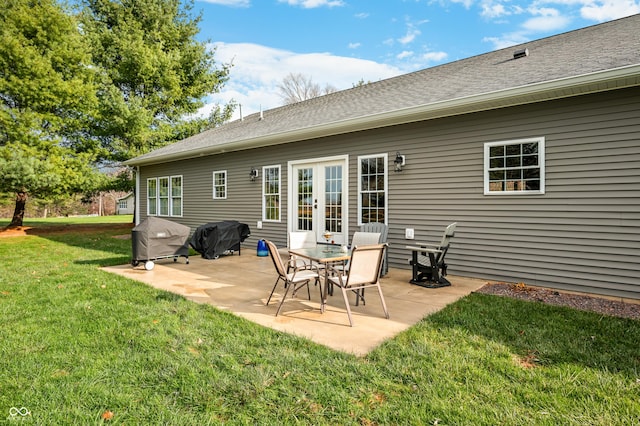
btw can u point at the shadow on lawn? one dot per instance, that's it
(112, 238)
(554, 334)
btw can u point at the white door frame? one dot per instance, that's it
(292, 201)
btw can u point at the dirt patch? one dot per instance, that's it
(61, 229)
(583, 302)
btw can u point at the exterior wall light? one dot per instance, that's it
(399, 161)
(253, 174)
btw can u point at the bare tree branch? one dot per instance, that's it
(296, 87)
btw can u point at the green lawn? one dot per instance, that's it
(76, 343)
(71, 220)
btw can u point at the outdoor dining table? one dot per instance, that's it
(324, 254)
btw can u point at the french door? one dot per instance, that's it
(319, 198)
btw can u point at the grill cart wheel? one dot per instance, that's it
(149, 265)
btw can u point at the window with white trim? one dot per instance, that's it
(514, 167)
(372, 189)
(220, 185)
(271, 193)
(164, 196)
(176, 195)
(152, 197)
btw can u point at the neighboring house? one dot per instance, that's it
(126, 204)
(534, 150)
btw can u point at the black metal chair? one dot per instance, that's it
(427, 260)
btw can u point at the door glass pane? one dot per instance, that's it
(333, 198)
(305, 199)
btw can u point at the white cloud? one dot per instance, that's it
(258, 70)
(435, 56)
(549, 20)
(354, 45)
(609, 9)
(411, 35)
(404, 54)
(543, 20)
(311, 4)
(361, 15)
(506, 40)
(494, 10)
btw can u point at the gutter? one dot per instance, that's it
(601, 81)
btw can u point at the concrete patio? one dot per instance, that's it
(241, 285)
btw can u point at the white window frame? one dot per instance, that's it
(173, 197)
(170, 197)
(541, 166)
(265, 194)
(166, 197)
(385, 161)
(223, 186)
(154, 198)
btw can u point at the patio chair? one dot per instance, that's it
(363, 272)
(383, 230)
(358, 239)
(427, 260)
(300, 239)
(296, 279)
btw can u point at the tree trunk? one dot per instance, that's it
(18, 213)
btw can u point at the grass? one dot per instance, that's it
(71, 220)
(77, 343)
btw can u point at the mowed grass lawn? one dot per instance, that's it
(82, 346)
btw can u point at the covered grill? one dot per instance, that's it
(155, 238)
(214, 239)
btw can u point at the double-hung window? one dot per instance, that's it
(152, 197)
(271, 193)
(176, 195)
(164, 196)
(220, 185)
(514, 167)
(372, 189)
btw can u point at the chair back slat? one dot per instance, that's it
(365, 238)
(381, 228)
(275, 257)
(449, 232)
(302, 239)
(365, 264)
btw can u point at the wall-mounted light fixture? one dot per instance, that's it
(253, 174)
(399, 161)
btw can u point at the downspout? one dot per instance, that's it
(136, 218)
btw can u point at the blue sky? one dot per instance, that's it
(340, 42)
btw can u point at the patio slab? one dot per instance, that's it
(241, 285)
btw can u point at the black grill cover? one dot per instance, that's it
(155, 237)
(213, 239)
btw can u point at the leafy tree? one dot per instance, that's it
(298, 87)
(47, 99)
(154, 74)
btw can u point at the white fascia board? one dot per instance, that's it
(553, 89)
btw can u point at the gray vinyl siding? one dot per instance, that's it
(583, 234)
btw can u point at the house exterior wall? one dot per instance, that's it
(129, 201)
(583, 234)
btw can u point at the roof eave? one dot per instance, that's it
(612, 79)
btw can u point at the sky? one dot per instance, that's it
(343, 42)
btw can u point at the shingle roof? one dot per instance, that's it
(596, 58)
